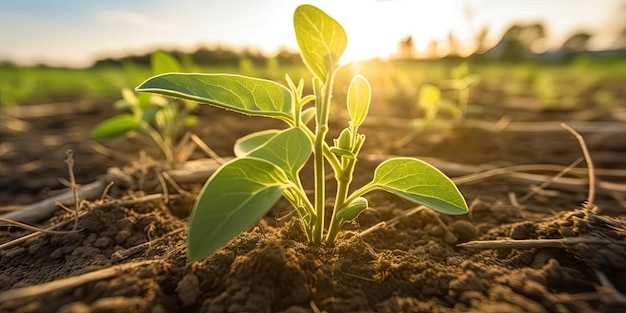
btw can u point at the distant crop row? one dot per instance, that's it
(399, 81)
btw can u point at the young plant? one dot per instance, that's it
(432, 103)
(152, 115)
(268, 163)
(462, 81)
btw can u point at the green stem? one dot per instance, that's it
(344, 178)
(318, 152)
(320, 183)
(330, 157)
(161, 143)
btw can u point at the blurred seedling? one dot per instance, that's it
(161, 119)
(462, 82)
(433, 104)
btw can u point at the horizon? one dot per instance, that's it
(76, 34)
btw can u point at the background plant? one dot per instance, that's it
(161, 119)
(268, 163)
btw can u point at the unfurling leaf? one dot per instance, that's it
(359, 97)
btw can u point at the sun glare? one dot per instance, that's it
(375, 28)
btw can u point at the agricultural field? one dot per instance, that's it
(536, 149)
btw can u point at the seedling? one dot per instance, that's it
(152, 115)
(462, 81)
(268, 163)
(432, 103)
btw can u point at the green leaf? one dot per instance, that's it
(320, 38)
(150, 112)
(235, 197)
(144, 100)
(238, 93)
(163, 62)
(247, 143)
(129, 96)
(307, 115)
(116, 126)
(288, 150)
(429, 95)
(190, 120)
(342, 152)
(351, 210)
(359, 96)
(123, 104)
(421, 183)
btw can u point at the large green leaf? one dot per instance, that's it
(289, 150)
(116, 126)
(320, 38)
(359, 96)
(419, 182)
(241, 94)
(234, 198)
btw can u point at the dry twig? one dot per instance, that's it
(592, 176)
(535, 243)
(65, 283)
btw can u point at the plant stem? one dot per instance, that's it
(321, 130)
(344, 178)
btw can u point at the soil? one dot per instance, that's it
(131, 256)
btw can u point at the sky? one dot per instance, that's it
(76, 33)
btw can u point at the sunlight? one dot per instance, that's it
(394, 20)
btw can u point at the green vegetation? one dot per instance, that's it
(397, 82)
(152, 115)
(268, 163)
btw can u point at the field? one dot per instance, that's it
(545, 233)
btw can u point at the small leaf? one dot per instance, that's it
(342, 152)
(351, 210)
(235, 197)
(421, 183)
(460, 71)
(321, 40)
(129, 96)
(345, 140)
(238, 93)
(150, 112)
(429, 95)
(191, 120)
(359, 96)
(247, 143)
(288, 150)
(123, 104)
(116, 126)
(429, 99)
(307, 115)
(163, 62)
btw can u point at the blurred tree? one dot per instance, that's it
(518, 42)
(453, 45)
(406, 48)
(433, 49)
(480, 40)
(577, 42)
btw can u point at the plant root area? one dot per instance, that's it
(537, 238)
